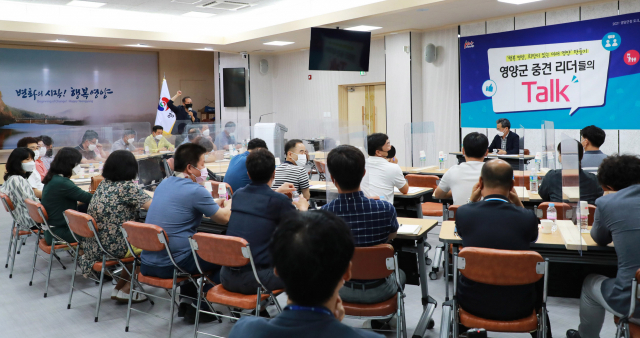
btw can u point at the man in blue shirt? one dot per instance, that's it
(178, 206)
(372, 222)
(312, 254)
(236, 175)
(226, 138)
(256, 212)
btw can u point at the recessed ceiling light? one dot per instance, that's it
(278, 43)
(363, 28)
(209, 49)
(517, 2)
(89, 4)
(61, 41)
(198, 15)
(138, 45)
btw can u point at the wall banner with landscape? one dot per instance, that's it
(51, 92)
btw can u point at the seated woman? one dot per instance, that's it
(60, 193)
(46, 144)
(19, 167)
(116, 200)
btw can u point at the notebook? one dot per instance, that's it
(409, 229)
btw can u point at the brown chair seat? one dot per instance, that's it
(165, 283)
(634, 328)
(432, 209)
(47, 248)
(97, 266)
(527, 324)
(372, 310)
(22, 232)
(219, 295)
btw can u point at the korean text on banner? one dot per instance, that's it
(165, 117)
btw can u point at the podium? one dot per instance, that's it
(273, 135)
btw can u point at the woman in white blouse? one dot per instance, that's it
(20, 165)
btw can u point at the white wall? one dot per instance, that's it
(398, 72)
(261, 86)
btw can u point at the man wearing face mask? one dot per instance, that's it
(184, 113)
(156, 141)
(381, 176)
(45, 145)
(227, 139)
(90, 149)
(293, 169)
(126, 142)
(506, 142)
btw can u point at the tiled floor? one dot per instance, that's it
(25, 313)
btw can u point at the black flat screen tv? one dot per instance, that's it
(340, 50)
(234, 86)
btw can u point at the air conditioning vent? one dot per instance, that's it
(225, 5)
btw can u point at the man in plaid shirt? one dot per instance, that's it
(372, 222)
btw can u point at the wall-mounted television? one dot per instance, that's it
(234, 87)
(340, 50)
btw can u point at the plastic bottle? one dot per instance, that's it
(100, 166)
(295, 196)
(552, 214)
(222, 191)
(538, 161)
(91, 169)
(584, 215)
(441, 159)
(423, 158)
(533, 181)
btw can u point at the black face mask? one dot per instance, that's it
(188, 105)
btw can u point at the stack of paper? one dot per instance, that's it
(409, 229)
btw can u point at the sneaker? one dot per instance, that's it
(124, 298)
(573, 334)
(114, 294)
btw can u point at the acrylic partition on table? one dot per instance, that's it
(522, 178)
(273, 134)
(548, 145)
(420, 147)
(355, 136)
(569, 156)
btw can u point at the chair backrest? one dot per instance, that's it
(95, 182)
(6, 201)
(33, 208)
(78, 223)
(214, 186)
(422, 181)
(452, 212)
(145, 236)
(374, 262)
(564, 210)
(320, 166)
(521, 180)
(592, 214)
(527, 152)
(222, 250)
(500, 267)
(170, 163)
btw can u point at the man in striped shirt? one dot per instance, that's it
(372, 222)
(293, 169)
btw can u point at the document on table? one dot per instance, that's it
(412, 190)
(81, 180)
(318, 186)
(409, 229)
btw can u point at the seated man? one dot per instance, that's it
(227, 138)
(256, 212)
(458, 181)
(178, 206)
(90, 149)
(236, 175)
(616, 221)
(501, 222)
(293, 170)
(156, 141)
(592, 139)
(506, 142)
(381, 176)
(126, 142)
(312, 279)
(372, 222)
(35, 179)
(551, 187)
(193, 133)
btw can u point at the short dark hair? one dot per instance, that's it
(205, 142)
(594, 134)
(346, 165)
(89, 135)
(66, 159)
(129, 132)
(230, 124)
(311, 251)
(260, 165)
(193, 133)
(185, 98)
(46, 140)
(475, 145)
(392, 152)
(290, 145)
(188, 153)
(257, 143)
(619, 171)
(580, 150)
(504, 123)
(497, 176)
(25, 141)
(376, 142)
(156, 128)
(121, 165)
(14, 163)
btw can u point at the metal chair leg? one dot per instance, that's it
(99, 300)
(13, 226)
(22, 242)
(173, 300)
(13, 258)
(58, 258)
(46, 289)
(35, 255)
(73, 278)
(195, 333)
(132, 293)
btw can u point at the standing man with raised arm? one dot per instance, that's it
(184, 113)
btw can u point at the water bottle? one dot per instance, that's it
(441, 159)
(91, 169)
(295, 196)
(222, 191)
(584, 216)
(538, 161)
(533, 181)
(423, 158)
(100, 166)
(552, 214)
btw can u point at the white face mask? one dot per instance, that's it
(158, 137)
(302, 160)
(43, 151)
(29, 166)
(92, 147)
(206, 132)
(500, 133)
(130, 141)
(36, 154)
(76, 169)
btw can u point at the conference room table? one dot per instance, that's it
(415, 197)
(514, 160)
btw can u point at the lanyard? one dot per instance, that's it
(496, 199)
(319, 309)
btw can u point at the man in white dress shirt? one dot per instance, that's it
(381, 176)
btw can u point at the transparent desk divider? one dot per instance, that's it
(570, 161)
(139, 131)
(548, 145)
(522, 182)
(355, 136)
(420, 147)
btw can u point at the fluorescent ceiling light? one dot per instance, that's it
(278, 43)
(89, 4)
(61, 41)
(209, 49)
(517, 2)
(363, 28)
(198, 15)
(138, 45)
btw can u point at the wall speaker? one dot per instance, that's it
(264, 66)
(430, 53)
